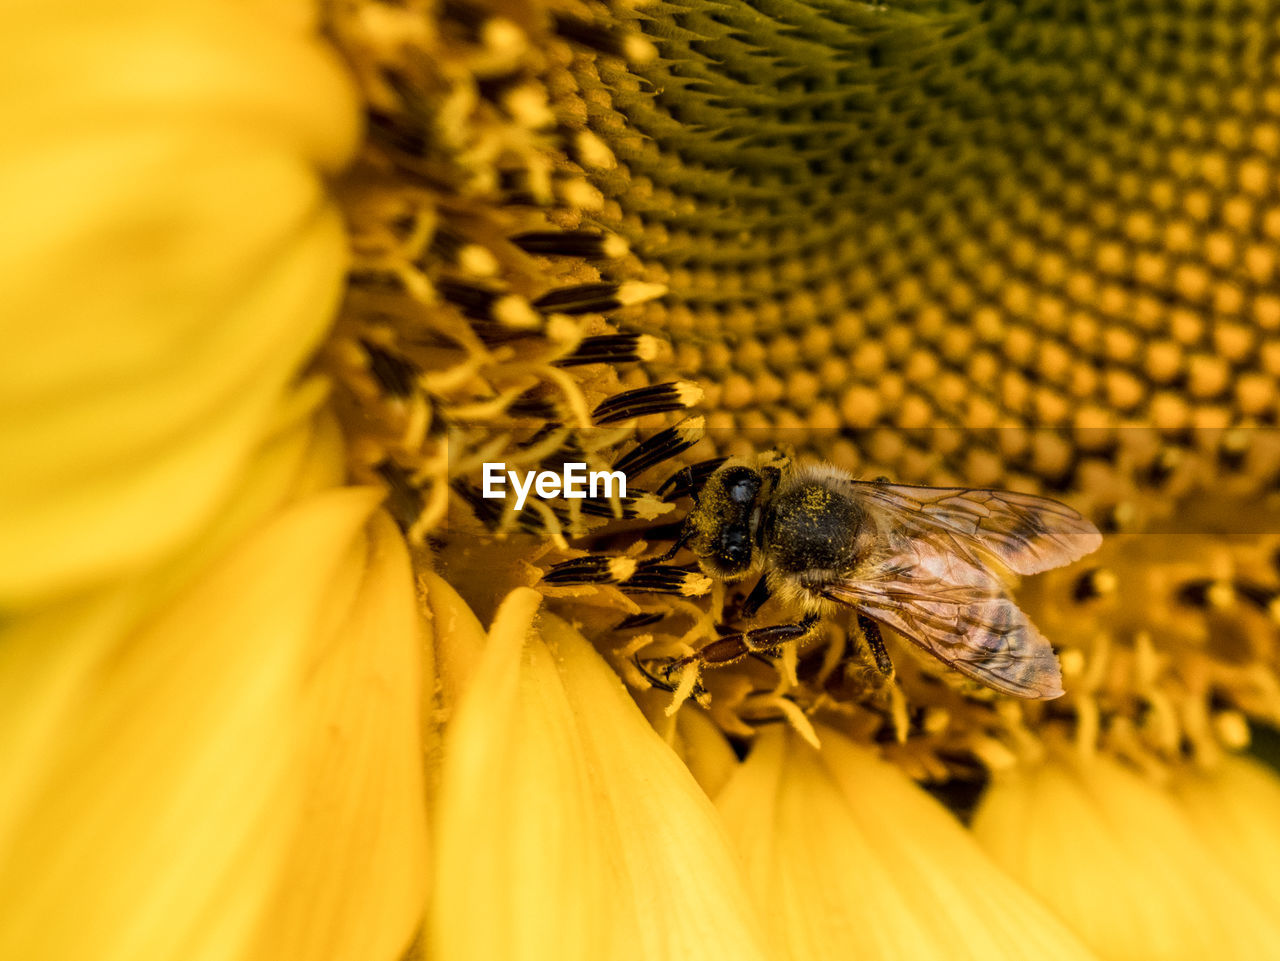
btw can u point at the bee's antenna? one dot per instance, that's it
(687, 481)
(678, 483)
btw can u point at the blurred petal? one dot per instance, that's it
(850, 859)
(302, 454)
(567, 829)
(1235, 810)
(156, 810)
(301, 458)
(1118, 861)
(356, 883)
(171, 260)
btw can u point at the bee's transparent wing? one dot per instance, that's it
(1028, 534)
(960, 614)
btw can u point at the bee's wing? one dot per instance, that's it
(960, 614)
(1026, 533)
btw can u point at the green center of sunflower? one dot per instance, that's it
(928, 222)
(956, 243)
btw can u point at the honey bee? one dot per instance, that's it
(931, 563)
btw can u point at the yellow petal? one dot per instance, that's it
(1235, 810)
(705, 750)
(460, 638)
(171, 261)
(303, 456)
(850, 859)
(156, 800)
(355, 883)
(1116, 859)
(303, 453)
(567, 829)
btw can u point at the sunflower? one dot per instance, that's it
(313, 265)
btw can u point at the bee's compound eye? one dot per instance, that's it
(741, 485)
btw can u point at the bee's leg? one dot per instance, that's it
(871, 631)
(686, 532)
(733, 647)
(755, 600)
(768, 638)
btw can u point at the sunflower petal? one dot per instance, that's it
(1236, 811)
(849, 859)
(567, 829)
(162, 770)
(302, 458)
(1115, 858)
(704, 749)
(356, 882)
(171, 262)
(460, 638)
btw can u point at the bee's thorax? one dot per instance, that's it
(812, 527)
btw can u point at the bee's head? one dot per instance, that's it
(721, 528)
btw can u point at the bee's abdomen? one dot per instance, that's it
(811, 527)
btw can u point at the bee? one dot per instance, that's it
(931, 563)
